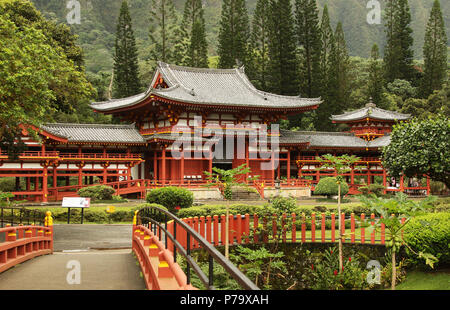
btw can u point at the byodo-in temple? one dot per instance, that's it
(170, 137)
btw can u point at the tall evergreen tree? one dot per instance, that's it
(234, 34)
(434, 52)
(126, 68)
(258, 70)
(193, 26)
(398, 55)
(375, 82)
(165, 33)
(337, 96)
(283, 65)
(309, 39)
(326, 42)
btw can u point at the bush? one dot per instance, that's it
(429, 233)
(97, 192)
(376, 189)
(171, 198)
(328, 186)
(284, 205)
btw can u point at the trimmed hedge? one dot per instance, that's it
(329, 187)
(97, 192)
(429, 233)
(171, 197)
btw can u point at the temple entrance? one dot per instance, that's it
(223, 165)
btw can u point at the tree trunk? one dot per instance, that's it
(340, 228)
(227, 231)
(394, 271)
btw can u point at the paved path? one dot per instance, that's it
(100, 270)
(85, 237)
(104, 256)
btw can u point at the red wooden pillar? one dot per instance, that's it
(384, 180)
(105, 173)
(55, 176)
(155, 166)
(313, 227)
(401, 183)
(216, 230)
(163, 166)
(182, 168)
(247, 160)
(372, 235)
(44, 184)
(333, 227)
(352, 227)
(352, 177)
(208, 228)
(428, 186)
(289, 165)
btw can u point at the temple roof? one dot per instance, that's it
(331, 139)
(213, 87)
(96, 133)
(370, 111)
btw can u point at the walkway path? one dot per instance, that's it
(111, 268)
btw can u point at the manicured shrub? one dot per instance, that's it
(376, 189)
(171, 198)
(97, 192)
(329, 187)
(429, 233)
(284, 204)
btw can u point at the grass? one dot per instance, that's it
(420, 280)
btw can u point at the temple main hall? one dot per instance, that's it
(187, 122)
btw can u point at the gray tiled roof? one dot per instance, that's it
(225, 87)
(331, 139)
(370, 110)
(96, 133)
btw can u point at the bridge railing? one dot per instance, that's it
(21, 243)
(152, 227)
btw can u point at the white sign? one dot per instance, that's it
(76, 202)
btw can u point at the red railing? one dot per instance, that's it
(243, 229)
(23, 243)
(362, 159)
(26, 155)
(159, 270)
(99, 156)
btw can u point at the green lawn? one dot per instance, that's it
(419, 280)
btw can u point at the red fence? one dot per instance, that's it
(243, 229)
(23, 243)
(159, 270)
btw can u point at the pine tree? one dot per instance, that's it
(166, 36)
(326, 42)
(375, 83)
(258, 70)
(283, 65)
(126, 69)
(193, 26)
(309, 38)
(336, 99)
(434, 52)
(234, 34)
(398, 55)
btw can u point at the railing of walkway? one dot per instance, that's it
(14, 216)
(21, 243)
(157, 220)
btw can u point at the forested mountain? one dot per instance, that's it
(99, 18)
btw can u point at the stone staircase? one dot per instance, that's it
(243, 193)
